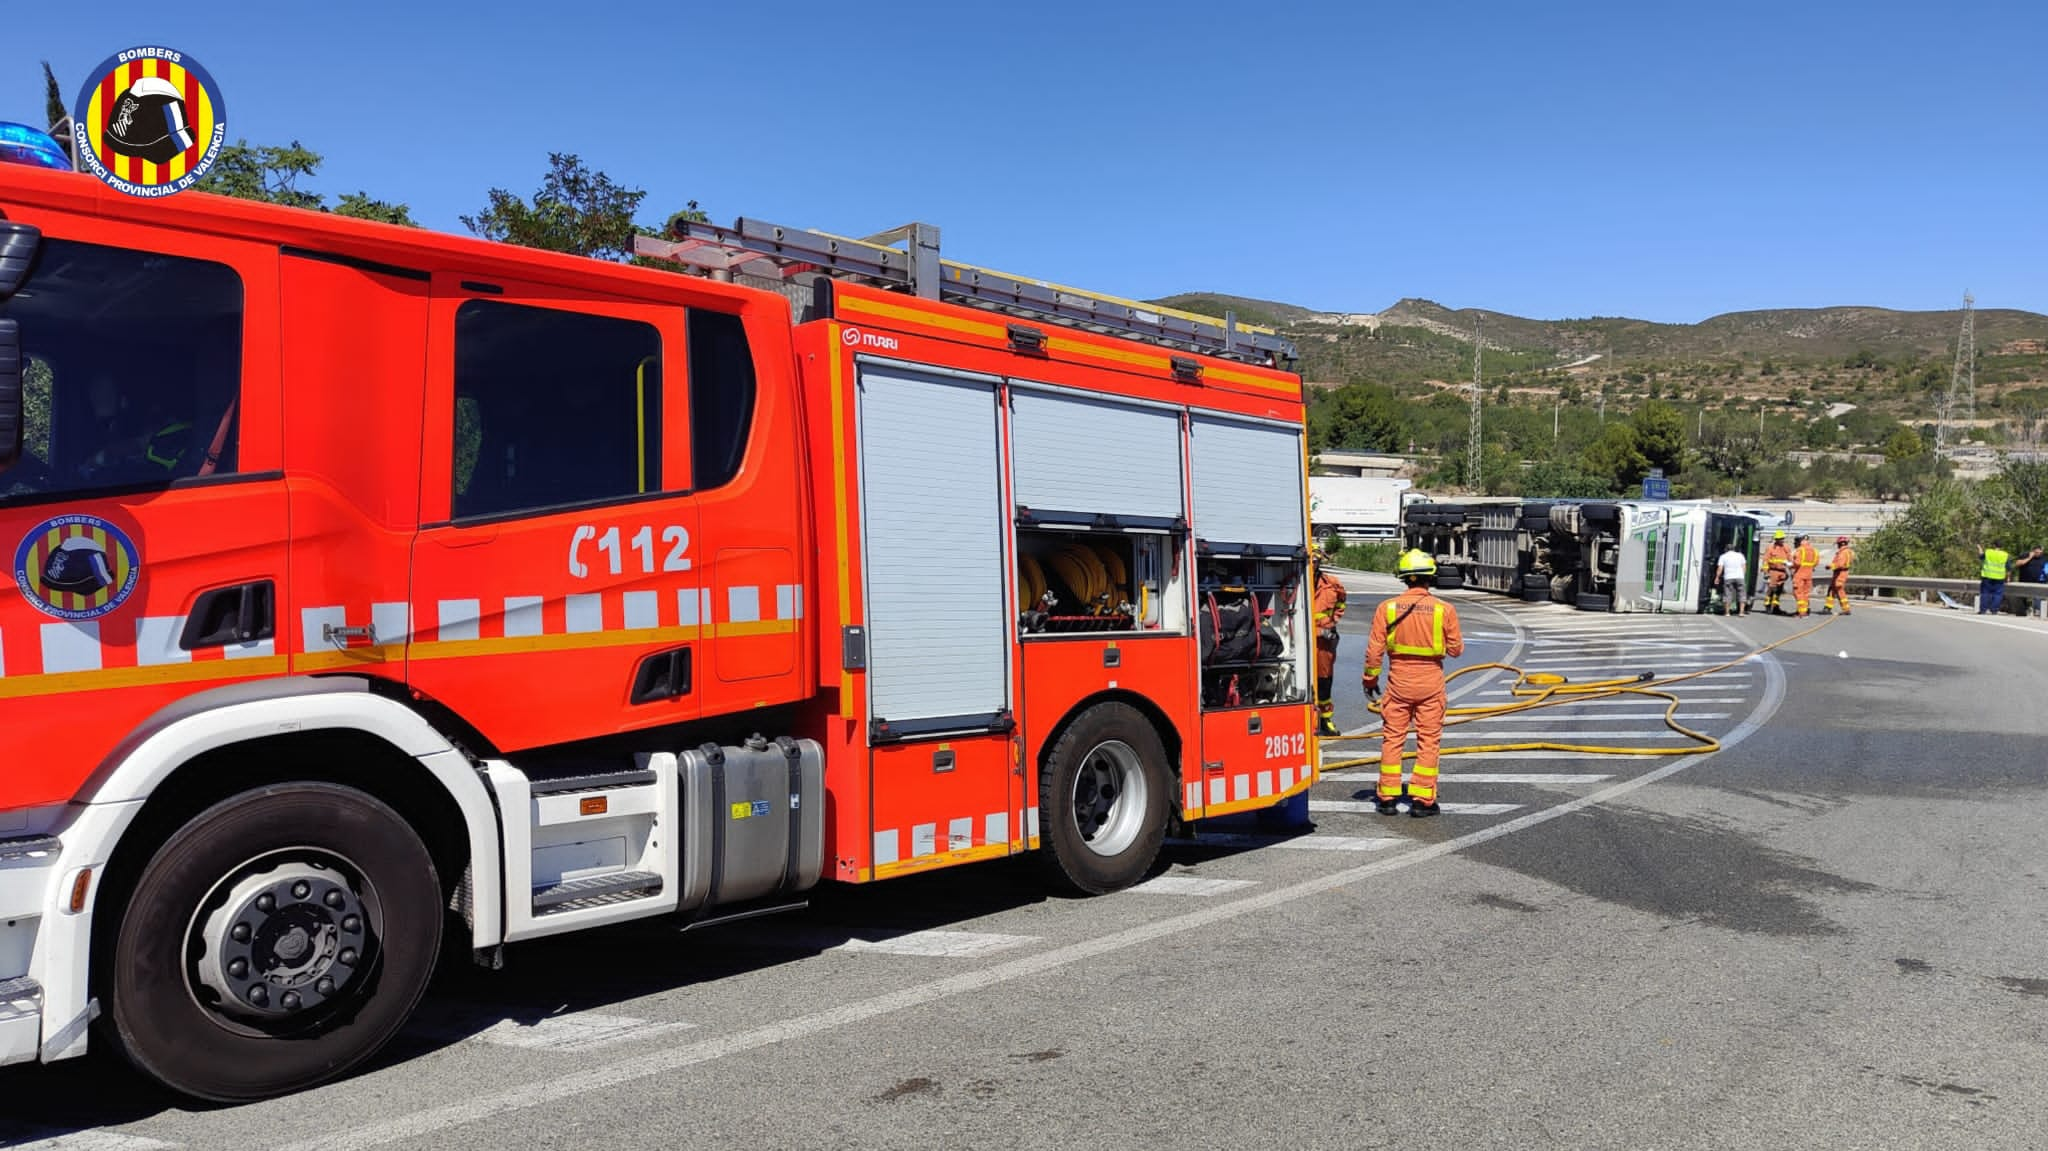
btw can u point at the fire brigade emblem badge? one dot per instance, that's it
(150, 122)
(76, 567)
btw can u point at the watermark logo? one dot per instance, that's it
(150, 121)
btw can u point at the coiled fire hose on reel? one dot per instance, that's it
(1535, 690)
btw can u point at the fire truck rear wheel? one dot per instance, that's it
(275, 941)
(1102, 798)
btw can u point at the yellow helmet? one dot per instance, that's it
(1415, 561)
(1779, 534)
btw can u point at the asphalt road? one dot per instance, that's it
(1831, 933)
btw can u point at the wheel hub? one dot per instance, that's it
(284, 941)
(1110, 797)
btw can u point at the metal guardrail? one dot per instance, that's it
(1962, 592)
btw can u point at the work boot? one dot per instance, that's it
(1326, 729)
(1387, 806)
(1420, 810)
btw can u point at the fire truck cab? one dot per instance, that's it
(373, 588)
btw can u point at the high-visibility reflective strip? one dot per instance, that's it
(1995, 562)
(1436, 649)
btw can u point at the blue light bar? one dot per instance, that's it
(21, 144)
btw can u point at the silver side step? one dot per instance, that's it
(596, 890)
(19, 997)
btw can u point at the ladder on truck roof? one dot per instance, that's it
(769, 255)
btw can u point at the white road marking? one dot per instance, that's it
(1636, 701)
(1551, 715)
(668, 1061)
(1367, 807)
(567, 1032)
(1516, 734)
(96, 1140)
(1191, 885)
(1476, 777)
(939, 944)
(1297, 842)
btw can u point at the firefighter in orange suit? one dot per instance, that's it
(1412, 633)
(1805, 558)
(1838, 578)
(1777, 567)
(1329, 609)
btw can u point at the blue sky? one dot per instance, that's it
(1662, 160)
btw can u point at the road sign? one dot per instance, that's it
(1655, 486)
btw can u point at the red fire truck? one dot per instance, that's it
(375, 589)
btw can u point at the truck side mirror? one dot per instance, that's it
(10, 393)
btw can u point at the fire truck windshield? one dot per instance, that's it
(132, 366)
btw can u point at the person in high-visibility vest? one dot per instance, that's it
(1838, 575)
(1412, 633)
(1777, 566)
(1329, 609)
(1993, 565)
(1805, 558)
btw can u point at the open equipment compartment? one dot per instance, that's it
(1102, 580)
(1252, 622)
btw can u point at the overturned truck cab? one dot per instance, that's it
(1595, 555)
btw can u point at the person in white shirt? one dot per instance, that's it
(1733, 571)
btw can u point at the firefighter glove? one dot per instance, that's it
(1372, 686)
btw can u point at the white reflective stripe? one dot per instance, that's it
(1031, 822)
(743, 604)
(584, 613)
(523, 616)
(3, 656)
(686, 607)
(392, 622)
(995, 827)
(1240, 787)
(1265, 783)
(257, 650)
(458, 620)
(789, 601)
(1193, 798)
(1286, 778)
(71, 647)
(885, 848)
(643, 610)
(156, 640)
(960, 834)
(1216, 786)
(313, 625)
(704, 606)
(924, 840)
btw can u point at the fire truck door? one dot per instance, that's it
(556, 591)
(938, 618)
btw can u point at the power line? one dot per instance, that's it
(1962, 379)
(1472, 448)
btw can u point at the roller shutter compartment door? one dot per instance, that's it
(932, 538)
(1079, 454)
(1247, 480)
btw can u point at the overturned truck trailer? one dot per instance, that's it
(1596, 555)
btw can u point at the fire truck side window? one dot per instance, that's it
(133, 366)
(721, 397)
(553, 409)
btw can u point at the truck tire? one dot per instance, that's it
(1536, 590)
(276, 941)
(1595, 601)
(1103, 796)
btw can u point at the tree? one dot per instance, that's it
(1554, 479)
(272, 174)
(576, 210)
(1660, 436)
(266, 173)
(53, 100)
(360, 206)
(1362, 417)
(1615, 457)
(1904, 444)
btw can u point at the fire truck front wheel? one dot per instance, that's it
(1103, 795)
(274, 942)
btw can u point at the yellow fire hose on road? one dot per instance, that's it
(1534, 690)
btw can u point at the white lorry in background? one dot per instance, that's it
(1358, 508)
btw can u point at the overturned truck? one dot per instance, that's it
(1596, 555)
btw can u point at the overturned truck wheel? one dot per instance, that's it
(1102, 799)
